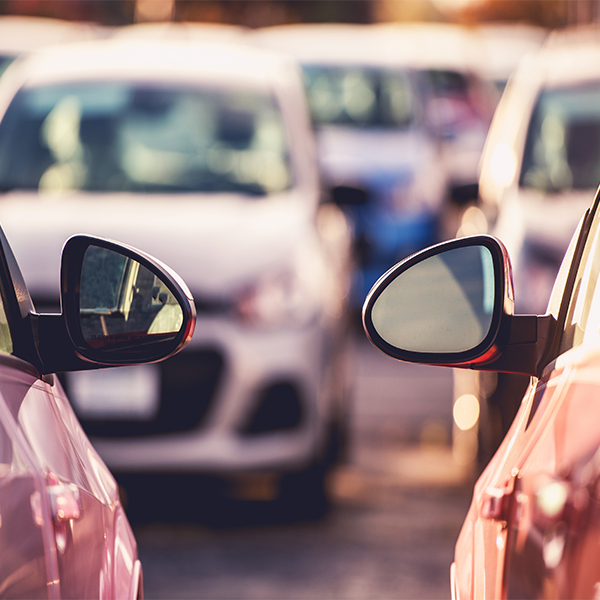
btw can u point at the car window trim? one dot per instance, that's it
(553, 349)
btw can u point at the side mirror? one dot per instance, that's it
(119, 306)
(452, 305)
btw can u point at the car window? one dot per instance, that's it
(359, 96)
(120, 136)
(562, 151)
(6, 344)
(583, 316)
(5, 60)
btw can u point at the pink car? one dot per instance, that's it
(533, 529)
(63, 531)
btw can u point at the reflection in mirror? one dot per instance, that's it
(444, 303)
(122, 303)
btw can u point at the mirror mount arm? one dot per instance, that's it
(55, 348)
(527, 347)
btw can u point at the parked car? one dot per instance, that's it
(540, 163)
(461, 100)
(503, 45)
(532, 529)
(368, 108)
(538, 170)
(63, 530)
(21, 34)
(204, 154)
(200, 32)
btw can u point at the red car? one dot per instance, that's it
(63, 531)
(533, 529)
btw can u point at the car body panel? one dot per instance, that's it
(42, 553)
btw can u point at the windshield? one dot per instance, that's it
(109, 137)
(562, 151)
(5, 60)
(359, 96)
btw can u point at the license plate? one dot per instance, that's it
(123, 393)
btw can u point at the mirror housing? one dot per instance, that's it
(445, 306)
(114, 299)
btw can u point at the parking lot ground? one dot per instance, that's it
(397, 507)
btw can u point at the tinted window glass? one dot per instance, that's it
(4, 62)
(583, 317)
(110, 137)
(562, 151)
(359, 96)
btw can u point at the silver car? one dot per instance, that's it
(203, 154)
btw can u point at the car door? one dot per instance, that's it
(60, 519)
(481, 549)
(554, 525)
(79, 503)
(26, 569)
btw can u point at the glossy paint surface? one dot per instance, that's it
(63, 532)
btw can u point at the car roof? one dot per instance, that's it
(503, 45)
(153, 60)
(335, 44)
(20, 34)
(442, 46)
(200, 32)
(567, 58)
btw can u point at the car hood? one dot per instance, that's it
(216, 243)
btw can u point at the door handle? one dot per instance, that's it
(495, 503)
(65, 502)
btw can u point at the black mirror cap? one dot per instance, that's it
(71, 267)
(499, 334)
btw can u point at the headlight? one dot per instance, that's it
(276, 300)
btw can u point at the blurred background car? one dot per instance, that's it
(538, 172)
(540, 165)
(164, 30)
(368, 107)
(461, 99)
(502, 46)
(22, 34)
(204, 154)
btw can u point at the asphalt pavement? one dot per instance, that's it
(397, 507)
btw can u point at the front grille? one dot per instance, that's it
(189, 381)
(278, 407)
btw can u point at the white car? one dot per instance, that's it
(368, 107)
(22, 34)
(462, 99)
(502, 47)
(203, 154)
(182, 30)
(542, 157)
(540, 166)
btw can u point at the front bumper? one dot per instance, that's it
(222, 440)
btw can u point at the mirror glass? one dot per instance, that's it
(444, 303)
(122, 303)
